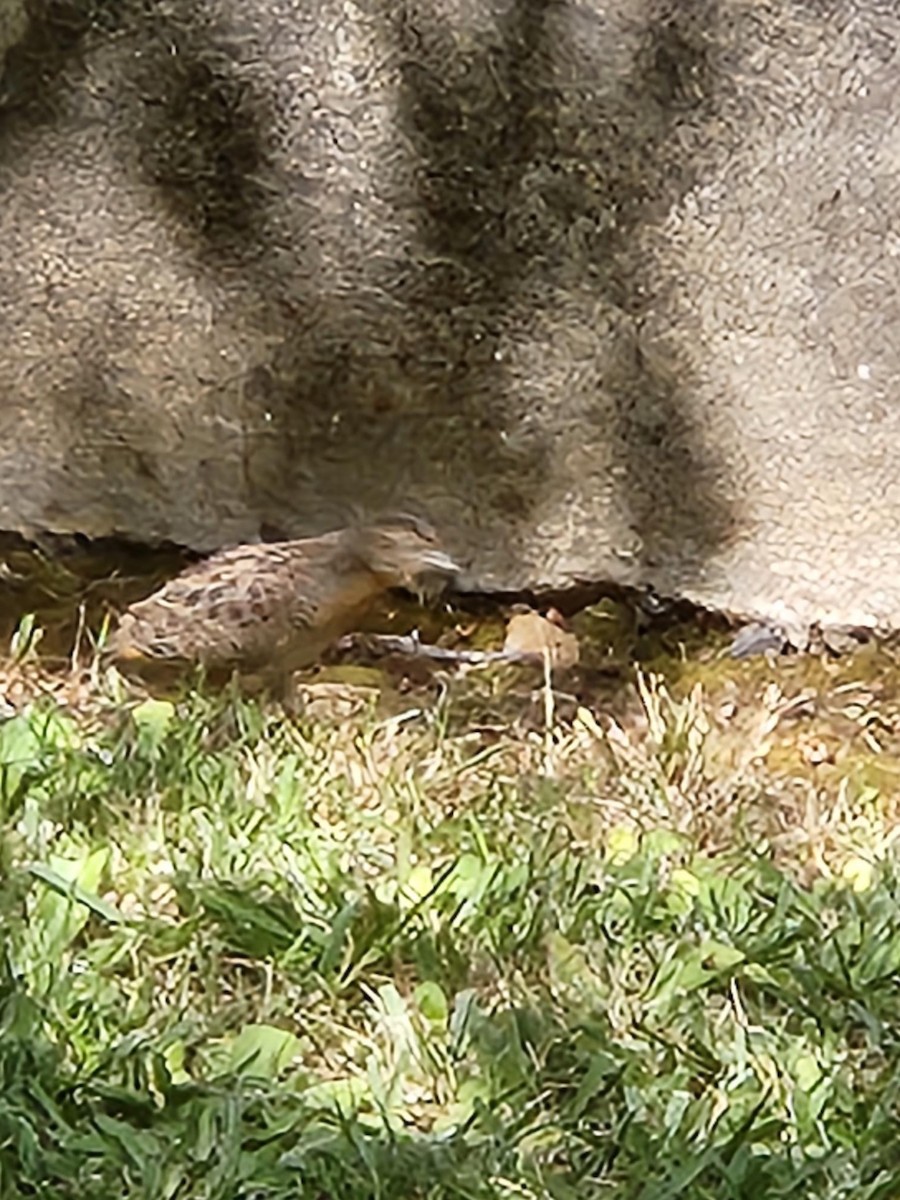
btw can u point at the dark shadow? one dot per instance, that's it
(675, 480)
(530, 179)
(200, 134)
(471, 120)
(31, 83)
(518, 176)
(198, 127)
(371, 394)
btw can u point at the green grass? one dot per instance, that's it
(426, 956)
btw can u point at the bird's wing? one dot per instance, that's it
(240, 606)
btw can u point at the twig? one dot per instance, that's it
(79, 634)
(411, 646)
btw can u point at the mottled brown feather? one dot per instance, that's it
(277, 607)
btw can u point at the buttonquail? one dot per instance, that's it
(270, 609)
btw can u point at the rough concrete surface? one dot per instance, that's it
(609, 290)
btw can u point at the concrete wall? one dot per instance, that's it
(609, 289)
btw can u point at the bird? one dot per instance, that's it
(271, 609)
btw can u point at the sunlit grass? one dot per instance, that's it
(483, 944)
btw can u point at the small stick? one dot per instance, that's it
(79, 634)
(411, 645)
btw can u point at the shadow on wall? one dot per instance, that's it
(536, 176)
(532, 175)
(675, 478)
(386, 389)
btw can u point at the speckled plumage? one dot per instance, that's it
(274, 608)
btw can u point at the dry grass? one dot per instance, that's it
(621, 933)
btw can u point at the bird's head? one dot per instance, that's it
(404, 551)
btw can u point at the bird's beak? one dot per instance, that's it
(437, 560)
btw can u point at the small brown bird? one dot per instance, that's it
(270, 609)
